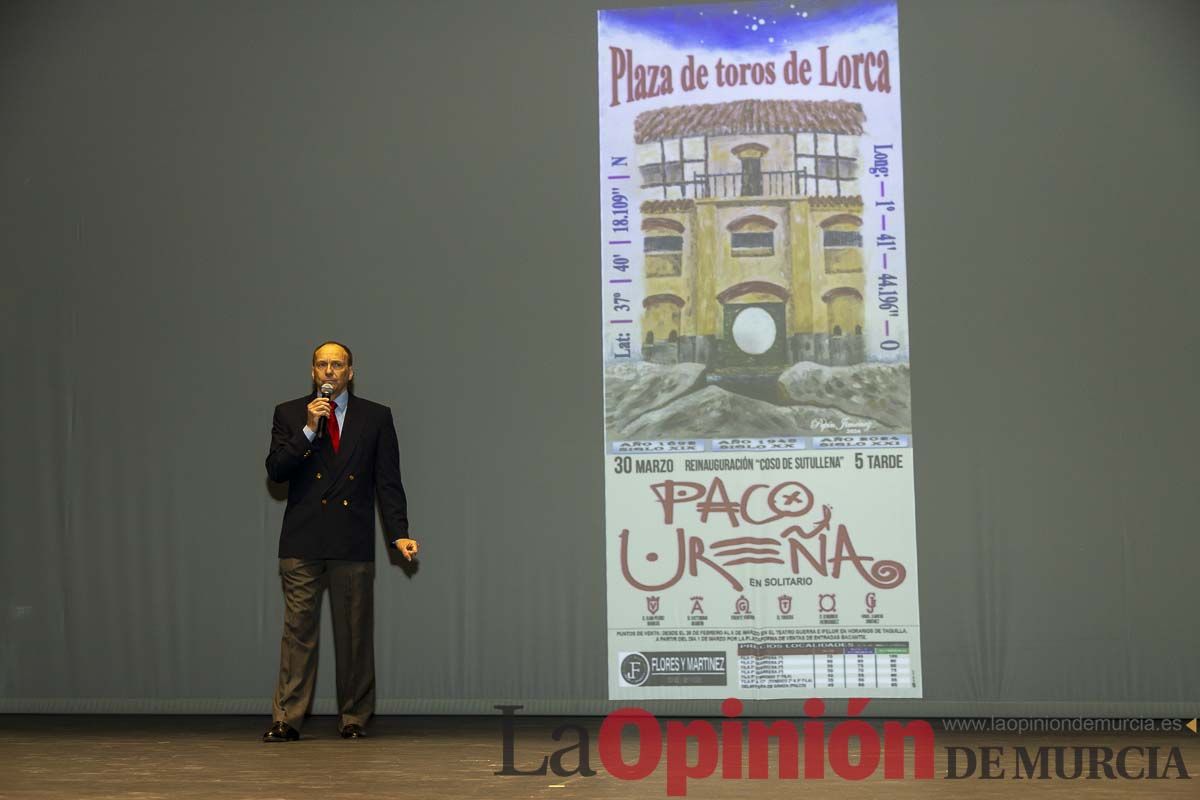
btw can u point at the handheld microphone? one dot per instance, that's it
(323, 422)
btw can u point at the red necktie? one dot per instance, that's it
(335, 432)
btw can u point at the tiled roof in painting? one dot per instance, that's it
(853, 201)
(667, 206)
(750, 116)
(829, 201)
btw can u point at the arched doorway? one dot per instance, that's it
(754, 328)
(660, 328)
(844, 320)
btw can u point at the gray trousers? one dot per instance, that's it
(352, 602)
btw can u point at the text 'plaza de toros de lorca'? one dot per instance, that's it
(751, 224)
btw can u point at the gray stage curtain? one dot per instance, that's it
(193, 194)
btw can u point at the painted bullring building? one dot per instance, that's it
(751, 221)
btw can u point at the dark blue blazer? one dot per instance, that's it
(331, 498)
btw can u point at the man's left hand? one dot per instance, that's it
(407, 547)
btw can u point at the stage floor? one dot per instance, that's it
(214, 757)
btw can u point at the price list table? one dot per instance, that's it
(824, 665)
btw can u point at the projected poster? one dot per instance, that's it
(760, 527)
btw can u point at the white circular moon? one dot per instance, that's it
(754, 331)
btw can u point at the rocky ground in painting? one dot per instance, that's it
(632, 390)
(658, 401)
(880, 392)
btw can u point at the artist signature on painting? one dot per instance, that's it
(846, 424)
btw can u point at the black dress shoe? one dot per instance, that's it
(353, 731)
(281, 732)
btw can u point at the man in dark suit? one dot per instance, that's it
(328, 537)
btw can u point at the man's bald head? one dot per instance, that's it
(348, 358)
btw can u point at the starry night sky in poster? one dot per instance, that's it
(761, 25)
